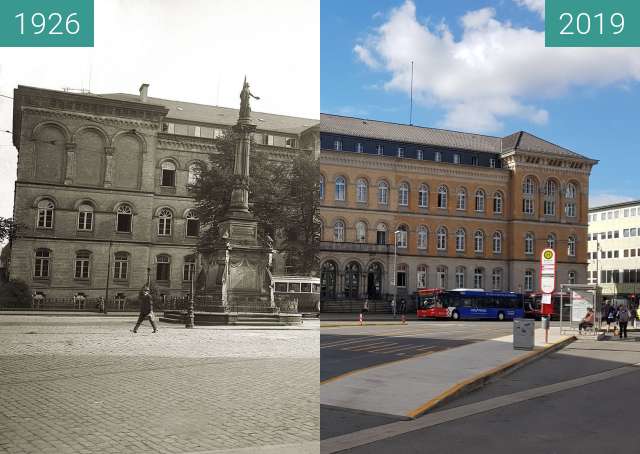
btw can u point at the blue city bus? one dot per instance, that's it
(467, 304)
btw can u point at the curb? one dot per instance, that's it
(481, 379)
(350, 325)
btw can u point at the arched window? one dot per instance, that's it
(496, 279)
(194, 173)
(321, 187)
(338, 231)
(442, 197)
(403, 194)
(529, 243)
(401, 236)
(571, 277)
(193, 224)
(571, 246)
(441, 239)
(551, 241)
(121, 266)
(45, 214)
(461, 272)
(528, 191)
(480, 200)
(81, 265)
(168, 174)
(164, 222)
(163, 267)
(340, 188)
(461, 199)
(423, 237)
(361, 232)
(478, 241)
(85, 217)
(383, 193)
(381, 234)
(328, 277)
(189, 268)
(460, 240)
(570, 200)
(478, 277)
(361, 190)
(42, 264)
(124, 216)
(442, 277)
(421, 276)
(423, 196)
(550, 193)
(497, 203)
(497, 243)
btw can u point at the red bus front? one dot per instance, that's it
(430, 303)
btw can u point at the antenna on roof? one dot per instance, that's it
(411, 102)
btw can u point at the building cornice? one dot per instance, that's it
(104, 120)
(414, 166)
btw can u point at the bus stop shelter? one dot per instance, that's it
(573, 307)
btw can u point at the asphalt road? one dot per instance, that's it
(344, 349)
(583, 399)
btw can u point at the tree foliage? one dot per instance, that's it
(8, 228)
(283, 197)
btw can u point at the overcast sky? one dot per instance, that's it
(192, 50)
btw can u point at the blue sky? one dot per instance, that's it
(481, 66)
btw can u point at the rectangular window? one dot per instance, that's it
(632, 252)
(401, 152)
(120, 268)
(474, 160)
(182, 130)
(633, 211)
(492, 163)
(527, 206)
(456, 158)
(168, 177)
(616, 234)
(419, 155)
(268, 139)
(626, 212)
(603, 216)
(616, 214)
(82, 268)
(609, 235)
(188, 271)
(625, 233)
(290, 142)
(402, 279)
(205, 132)
(616, 254)
(437, 157)
(632, 231)
(85, 220)
(193, 227)
(191, 130)
(625, 253)
(380, 150)
(609, 215)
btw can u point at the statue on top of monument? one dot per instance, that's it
(245, 96)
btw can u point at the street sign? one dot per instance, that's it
(548, 271)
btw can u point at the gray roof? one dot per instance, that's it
(201, 113)
(373, 129)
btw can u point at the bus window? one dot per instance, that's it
(305, 287)
(316, 288)
(294, 287)
(281, 287)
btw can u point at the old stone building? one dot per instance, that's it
(465, 210)
(102, 186)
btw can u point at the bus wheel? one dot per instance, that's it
(455, 315)
(501, 316)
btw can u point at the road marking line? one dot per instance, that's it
(368, 346)
(395, 349)
(344, 342)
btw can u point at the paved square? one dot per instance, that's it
(89, 385)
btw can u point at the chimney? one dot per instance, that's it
(144, 88)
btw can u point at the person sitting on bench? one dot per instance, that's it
(587, 321)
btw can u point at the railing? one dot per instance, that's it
(356, 247)
(379, 306)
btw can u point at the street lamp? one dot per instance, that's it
(395, 265)
(189, 320)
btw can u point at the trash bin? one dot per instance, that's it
(523, 334)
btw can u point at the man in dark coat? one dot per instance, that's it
(146, 309)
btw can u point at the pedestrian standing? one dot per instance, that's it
(637, 316)
(146, 310)
(403, 309)
(611, 318)
(393, 307)
(365, 306)
(623, 319)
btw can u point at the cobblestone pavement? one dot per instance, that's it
(71, 384)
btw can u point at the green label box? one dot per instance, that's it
(592, 23)
(46, 23)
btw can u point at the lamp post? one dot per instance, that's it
(106, 291)
(149, 277)
(190, 316)
(395, 266)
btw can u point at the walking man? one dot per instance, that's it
(623, 320)
(403, 309)
(146, 310)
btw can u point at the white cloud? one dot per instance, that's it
(196, 51)
(492, 71)
(597, 199)
(537, 6)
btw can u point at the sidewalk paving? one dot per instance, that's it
(407, 388)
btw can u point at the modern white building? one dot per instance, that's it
(614, 249)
